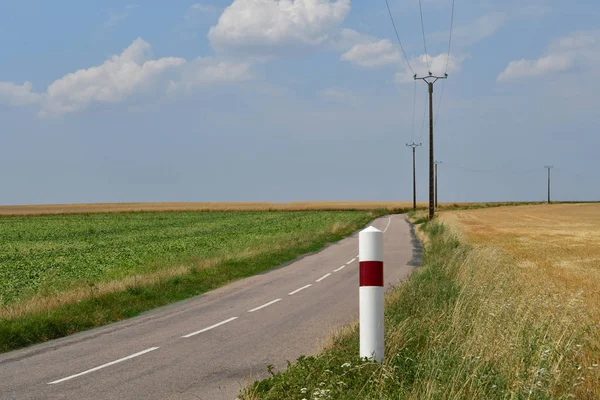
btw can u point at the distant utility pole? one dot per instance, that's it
(549, 167)
(414, 146)
(436, 186)
(430, 80)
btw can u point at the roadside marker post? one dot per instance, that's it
(370, 249)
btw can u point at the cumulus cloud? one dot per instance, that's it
(18, 95)
(372, 54)
(437, 64)
(579, 49)
(207, 71)
(121, 76)
(114, 80)
(266, 26)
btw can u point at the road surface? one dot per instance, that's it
(210, 346)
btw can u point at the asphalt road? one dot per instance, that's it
(210, 346)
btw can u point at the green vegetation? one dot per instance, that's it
(61, 274)
(462, 326)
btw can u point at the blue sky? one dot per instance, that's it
(265, 100)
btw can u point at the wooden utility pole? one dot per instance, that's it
(414, 146)
(436, 180)
(430, 80)
(549, 167)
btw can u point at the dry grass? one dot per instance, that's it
(537, 266)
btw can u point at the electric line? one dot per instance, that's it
(439, 102)
(412, 133)
(424, 114)
(398, 37)
(450, 38)
(447, 62)
(500, 171)
(424, 42)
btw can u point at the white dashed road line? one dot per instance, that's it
(388, 224)
(264, 305)
(302, 288)
(340, 268)
(351, 261)
(323, 277)
(104, 365)
(209, 328)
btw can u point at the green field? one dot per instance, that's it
(64, 273)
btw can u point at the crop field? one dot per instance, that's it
(555, 246)
(48, 209)
(163, 207)
(547, 277)
(61, 262)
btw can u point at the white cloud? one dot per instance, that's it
(121, 76)
(531, 68)
(579, 49)
(115, 18)
(373, 54)
(266, 26)
(437, 64)
(18, 95)
(207, 71)
(113, 81)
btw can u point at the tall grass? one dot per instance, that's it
(463, 326)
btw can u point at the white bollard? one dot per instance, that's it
(370, 253)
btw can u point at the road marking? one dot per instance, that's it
(351, 261)
(388, 224)
(302, 288)
(340, 268)
(209, 328)
(264, 305)
(104, 365)
(323, 277)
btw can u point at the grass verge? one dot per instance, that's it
(282, 239)
(462, 326)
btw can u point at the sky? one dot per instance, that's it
(296, 100)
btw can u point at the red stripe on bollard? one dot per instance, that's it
(371, 273)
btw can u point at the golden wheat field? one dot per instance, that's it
(537, 269)
(559, 243)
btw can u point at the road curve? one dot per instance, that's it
(208, 347)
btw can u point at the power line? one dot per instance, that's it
(424, 114)
(447, 62)
(424, 42)
(499, 171)
(450, 38)
(412, 133)
(439, 102)
(398, 37)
